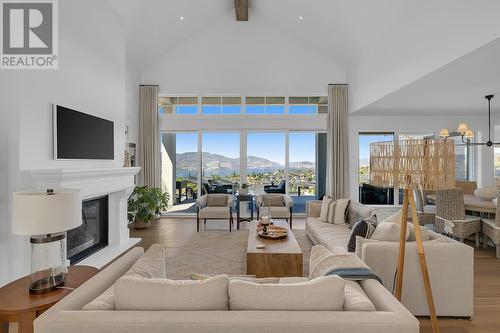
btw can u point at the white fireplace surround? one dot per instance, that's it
(116, 183)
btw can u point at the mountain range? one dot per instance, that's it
(187, 161)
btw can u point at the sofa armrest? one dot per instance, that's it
(313, 208)
(451, 272)
(288, 201)
(202, 201)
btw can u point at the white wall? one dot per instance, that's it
(416, 124)
(250, 59)
(90, 78)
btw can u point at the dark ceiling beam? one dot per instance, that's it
(241, 10)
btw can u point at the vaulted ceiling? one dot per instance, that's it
(382, 45)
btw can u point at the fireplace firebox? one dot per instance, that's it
(92, 235)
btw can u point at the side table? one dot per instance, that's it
(18, 305)
(247, 197)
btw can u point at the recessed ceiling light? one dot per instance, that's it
(181, 18)
(301, 18)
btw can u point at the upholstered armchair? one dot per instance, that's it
(280, 206)
(214, 207)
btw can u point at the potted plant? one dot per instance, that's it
(161, 201)
(244, 188)
(143, 205)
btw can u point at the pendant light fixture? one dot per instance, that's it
(467, 134)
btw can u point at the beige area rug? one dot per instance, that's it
(221, 252)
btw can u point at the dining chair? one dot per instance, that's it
(467, 186)
(451, 218)
(491, 230)
(426, 213)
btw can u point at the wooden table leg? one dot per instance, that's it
(26, 322)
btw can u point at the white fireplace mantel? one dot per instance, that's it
(116, 183)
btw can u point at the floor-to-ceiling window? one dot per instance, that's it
(266, 161)
(369, 194)
(302, 168)
(179, 172)
(220, 162)
(275, 144)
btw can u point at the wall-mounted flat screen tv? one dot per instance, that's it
(81, 136)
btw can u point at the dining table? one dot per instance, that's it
(472, 203)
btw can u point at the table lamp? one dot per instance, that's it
(427, 164)
(45, 217)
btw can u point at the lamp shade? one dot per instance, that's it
(427, 164)
(462, 128)
(37, 212)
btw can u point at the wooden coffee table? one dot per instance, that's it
(18, 305)
(280, 257)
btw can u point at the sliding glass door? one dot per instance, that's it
(220, 162)
(302, 168)
(179, 169)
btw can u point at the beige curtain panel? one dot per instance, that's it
(337, 141)
(149, 136)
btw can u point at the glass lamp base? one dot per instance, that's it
(48, 262)
(50, 283)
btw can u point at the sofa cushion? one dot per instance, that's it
(363, 228)
(277, 212)
(214, 213)
(324, 293)
(150, 265)
(355, 298)
(340, 211)
(326, 205)
(357, 212)
(134, 293)
(273, 200)
(388, 232)
(328, 234)
(250, 278)
(217, 200)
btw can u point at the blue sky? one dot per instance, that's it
(365, 140)
(270, 146)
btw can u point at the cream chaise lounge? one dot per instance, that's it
(450, 263)
(68, 316)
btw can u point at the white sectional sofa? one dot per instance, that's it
(69, 316)
(450, 263)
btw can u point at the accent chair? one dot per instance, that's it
(280, 206)
(214, 207)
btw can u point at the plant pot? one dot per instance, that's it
(141, 224)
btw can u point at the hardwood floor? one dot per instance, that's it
(174, 233)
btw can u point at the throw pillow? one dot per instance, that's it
(150, 265)
(424, 233)
(326, 205)
(356, 212)
(340, 210)
(325, 293)
(217, 200)
(273, 200)
(363, 228)
(388, 232)
(355, 298)
(359, 245)
(143, 294)
(394, 218)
